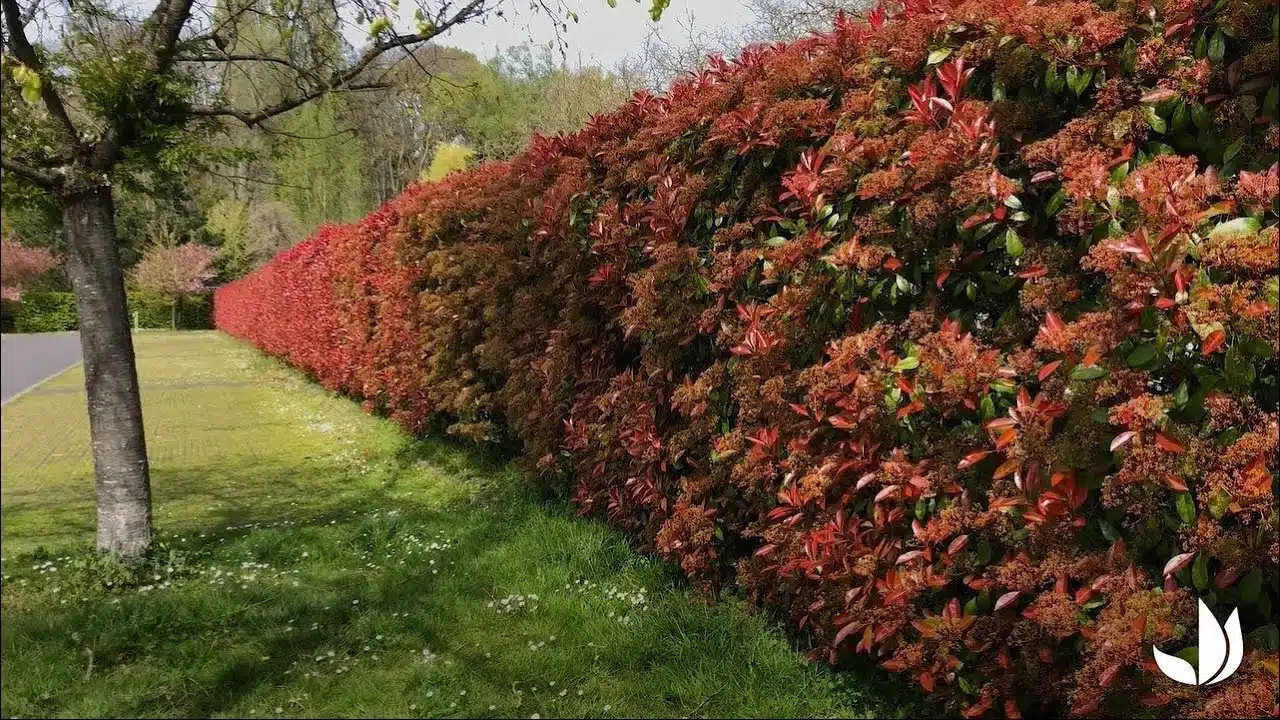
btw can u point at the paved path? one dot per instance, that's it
(25, 360)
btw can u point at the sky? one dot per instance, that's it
(603, 35)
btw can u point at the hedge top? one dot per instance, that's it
(950, 334)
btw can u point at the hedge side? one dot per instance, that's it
(56, 312)
(951, 335)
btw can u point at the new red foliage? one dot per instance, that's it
(944, 335)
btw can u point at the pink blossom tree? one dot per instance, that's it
(20, 265)
(174, 272)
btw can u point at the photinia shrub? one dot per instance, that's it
(950, 334)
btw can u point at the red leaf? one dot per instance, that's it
(1177, 562)
(1007, 599)
(1091, 356)
(844, 633)
(1048, 369)
(1159, 95)
(958, 545)
(974, 221)
(888, 492)
(1121, 439)
(973, 458)
(1169, 444)
(1108, 675)
(1213, 343)
(1225, 577)
(1175, 482)
(908, 557)
(926, 681)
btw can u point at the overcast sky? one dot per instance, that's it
(603, 35)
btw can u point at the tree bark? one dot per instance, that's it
(122, 475)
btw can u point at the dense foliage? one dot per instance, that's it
(952, 335)
(21, 266)
(56, 312)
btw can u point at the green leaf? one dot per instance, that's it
(1200, 572)
(1218, 47)
(1269, 635)
(1186, 505)
(30, 81)
(1232, 150)
(1012, 243)
(987, 407)
(1251, 587)
(1238, 226)
(1156, 122)
(1108, 530)
(1180, 395)
(1191, 655)
(1239, 369)
(1200, 116)
(1181, 115)
(1087, 372)
(938, 56)
(1219, 501)
(1129, 59)
(906, 363)
(1142, 355)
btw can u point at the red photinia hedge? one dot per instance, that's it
(950, 334)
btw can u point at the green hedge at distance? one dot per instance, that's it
(56, 312)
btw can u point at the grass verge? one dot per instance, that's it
(315, 561)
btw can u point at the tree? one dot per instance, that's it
(448, 158)
(20, 266)
(121, 94)
(173, 272)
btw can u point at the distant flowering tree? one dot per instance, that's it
(173, 272)
(20, 265)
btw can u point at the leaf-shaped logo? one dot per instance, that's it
(1220, 652)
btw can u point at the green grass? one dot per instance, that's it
(315, 561)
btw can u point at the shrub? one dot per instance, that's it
(950, 335)
(56, 312)
(45, 312)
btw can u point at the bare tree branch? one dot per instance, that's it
(339, 80)
(42, 179)
(26, 54)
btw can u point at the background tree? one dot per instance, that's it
(448, 158)
(106, 94)
(174, 272)
(21, 265)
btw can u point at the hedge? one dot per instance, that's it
(949, 335)
(56, 312)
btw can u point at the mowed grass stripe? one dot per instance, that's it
(315, 561)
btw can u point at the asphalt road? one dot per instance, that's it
(27, 359)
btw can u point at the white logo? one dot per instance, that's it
(1220, 652)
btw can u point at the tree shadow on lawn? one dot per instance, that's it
(372, 561)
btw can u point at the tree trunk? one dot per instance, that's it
(110, 373)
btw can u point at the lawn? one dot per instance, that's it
(315, 561)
